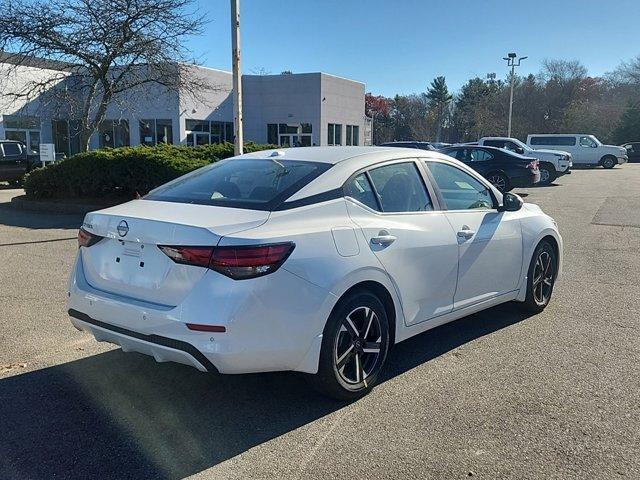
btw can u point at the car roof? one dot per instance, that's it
(345, 161)
(330, 155)
(560, 134)
(400, 142)
(499, 138)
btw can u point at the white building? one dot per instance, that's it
(287, 110)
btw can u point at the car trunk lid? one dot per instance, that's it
(128, 262)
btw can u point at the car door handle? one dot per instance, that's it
(384, 238)
(466, 232)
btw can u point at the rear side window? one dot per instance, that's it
(459, 190)
(478, 155)
(11, 149)
(360, 189)
(400, 188)
(257, 184)
(566, 141)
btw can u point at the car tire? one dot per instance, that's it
(547, 174)
(608, 162)
(541, 277)
(355, 343)
(500, 181)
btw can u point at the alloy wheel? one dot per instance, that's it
(544, 175)
(498, 181)
(543, 276)
(357, 347)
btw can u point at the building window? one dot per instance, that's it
(272, 133)
(114, 133)
(203, 132)
(67, 136)
(352, 135)
(23, 129)
(155, 131)
(290, 135)
(334, 134)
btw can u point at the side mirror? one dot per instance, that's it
(519, 150)
(510, 203)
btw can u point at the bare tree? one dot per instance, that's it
(106, 50)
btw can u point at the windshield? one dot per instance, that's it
(598, 142)
(524, 146)
(257, 184)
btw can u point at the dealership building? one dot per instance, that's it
(302, 109)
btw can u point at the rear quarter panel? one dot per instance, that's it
(317, 258)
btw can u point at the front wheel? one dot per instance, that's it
(541, 277)
(547, 174)
(609, 162)
(355, 342)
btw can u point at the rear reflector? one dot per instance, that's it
(237, 262)
(86, 239)
(206, 328)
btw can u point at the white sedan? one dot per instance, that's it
(316, 260)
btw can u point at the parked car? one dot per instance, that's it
(633, 151)
(419, 145)
(439, 145)
(14, 161)
(316, 260)
(503, 168)
(553, 163)
(584, 149)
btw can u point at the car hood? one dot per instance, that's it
(616, 148)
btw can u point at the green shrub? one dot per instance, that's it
(123, 172)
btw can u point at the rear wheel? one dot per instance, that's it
(608, 162)
(500, 181)
(541, 277)
(547, 174)
(355, 342)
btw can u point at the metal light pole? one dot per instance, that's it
(237, 79)
(511, 62)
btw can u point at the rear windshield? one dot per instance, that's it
(256, 184)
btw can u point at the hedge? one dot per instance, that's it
(121, 173)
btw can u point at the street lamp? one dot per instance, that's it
(511, 62)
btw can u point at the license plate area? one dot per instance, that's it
(131, 253)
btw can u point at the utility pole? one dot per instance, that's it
(511, 62)
(237, 78)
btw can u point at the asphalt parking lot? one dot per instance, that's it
(500, 394)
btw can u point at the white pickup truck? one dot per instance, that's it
(553, 163)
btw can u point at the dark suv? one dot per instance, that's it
(14, 161)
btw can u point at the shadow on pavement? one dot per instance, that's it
(14, 217)
(118, 415)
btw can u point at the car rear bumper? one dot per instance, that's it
(524, 181)
(266, 327)
(163, 349)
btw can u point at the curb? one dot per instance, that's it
(21, 202)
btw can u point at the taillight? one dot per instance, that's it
(237, 262)
(250, 261)
(86, 239)
(533, 165)
(198, 256)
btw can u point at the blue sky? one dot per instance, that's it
(399, 46)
